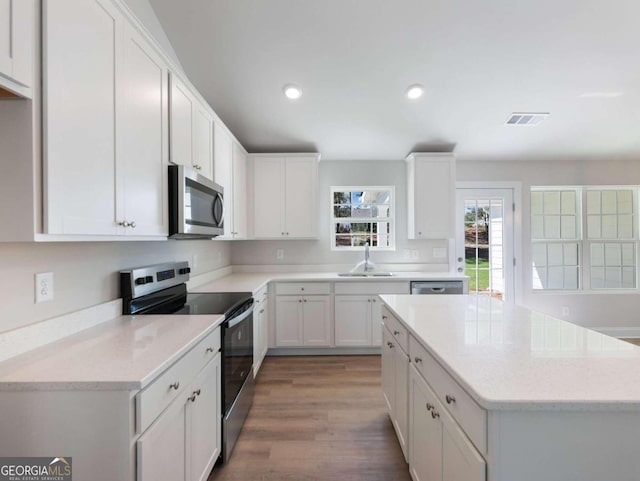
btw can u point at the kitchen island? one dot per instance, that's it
(479, 389)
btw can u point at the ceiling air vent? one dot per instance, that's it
(528, 119)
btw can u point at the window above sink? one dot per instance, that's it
(361, 214)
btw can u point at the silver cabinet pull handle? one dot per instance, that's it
(450, 399)
(175, 385)
(132, 224)
(197, 392)
(193, 397)
(385, 317)
(124, 223)
(430, 406)
(261, 311)
(417, 360)
(209, 349)
(390, 344)
(395, 333)
(435, 414)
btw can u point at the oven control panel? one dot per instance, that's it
(146, 280)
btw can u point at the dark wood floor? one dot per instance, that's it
(635, 341)
(315, 419)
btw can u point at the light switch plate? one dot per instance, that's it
(439, 253)
(44, 287)
(279, 254)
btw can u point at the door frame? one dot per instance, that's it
(518, 270)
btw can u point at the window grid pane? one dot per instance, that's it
(555, 265)
(610, 214)
(361, 216)
(554, 215)
(613, 265)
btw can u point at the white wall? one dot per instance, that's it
(347, 173)
(85, 274)
(588, 308)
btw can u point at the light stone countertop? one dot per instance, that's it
(126, 353)
(510, 358)
(253, 282)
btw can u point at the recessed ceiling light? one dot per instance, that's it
(292, 92)
(415, 91)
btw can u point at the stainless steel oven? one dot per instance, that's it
(162, 289)
(196, 205)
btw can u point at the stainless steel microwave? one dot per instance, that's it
(196, 205)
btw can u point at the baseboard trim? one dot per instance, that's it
(324, 351)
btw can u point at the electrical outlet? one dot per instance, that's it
(566, 312)
(415, 253)
(219, 257)
(194, 262)
(407, 253)
(44, 287)
(279, 254)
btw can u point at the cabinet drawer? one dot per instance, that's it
(261, 294)
(303, 288)
(398, 331)
(347, 287)
(471, 417)
(165, 388)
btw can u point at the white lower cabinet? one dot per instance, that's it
(357, 321)
(260, 329)
(439, 449)
(395, 387)
(184, 442)
(303, 321)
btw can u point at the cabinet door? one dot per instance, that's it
(460, 460)
(269, 197)
(223, 173)
(181, 122)
(289, 321)
(17, 24)
(81, 82)
(301, 216)
(161, 454)
(388, 368)
(143, 130)
(401, 412)
(434, 198)
(203, 140)
(425, 450)
(239, 192)
(264, 335)
(376, 321)
(353, 320)
(204, 422)
(6, 53)
(317, 321)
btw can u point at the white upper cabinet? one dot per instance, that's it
(105, 124)
(431, 196)
(191, 129)
(142, 128)
(81, 87)
(17, 28)
(285, 195)
(239, 210)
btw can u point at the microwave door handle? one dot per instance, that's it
(220, 199)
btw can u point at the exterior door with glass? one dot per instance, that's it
(484, 240)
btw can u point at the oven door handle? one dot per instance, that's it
(237, 320)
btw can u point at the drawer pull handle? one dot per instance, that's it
(175, 385)
(435, 414)
(430, 406)
(209, 349)
(385, 317)
(261, 311)
(193, 397)
(395, 333)
(390, 344)
(417, 360)
(450, 399)
(197, 392)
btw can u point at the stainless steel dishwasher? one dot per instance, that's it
(437, 287)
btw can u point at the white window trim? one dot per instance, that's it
(391, 219)
(584, 244)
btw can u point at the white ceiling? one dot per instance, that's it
(479, 61)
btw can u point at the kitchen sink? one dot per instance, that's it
(365, 274)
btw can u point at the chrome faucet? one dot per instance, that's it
(367, 264)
